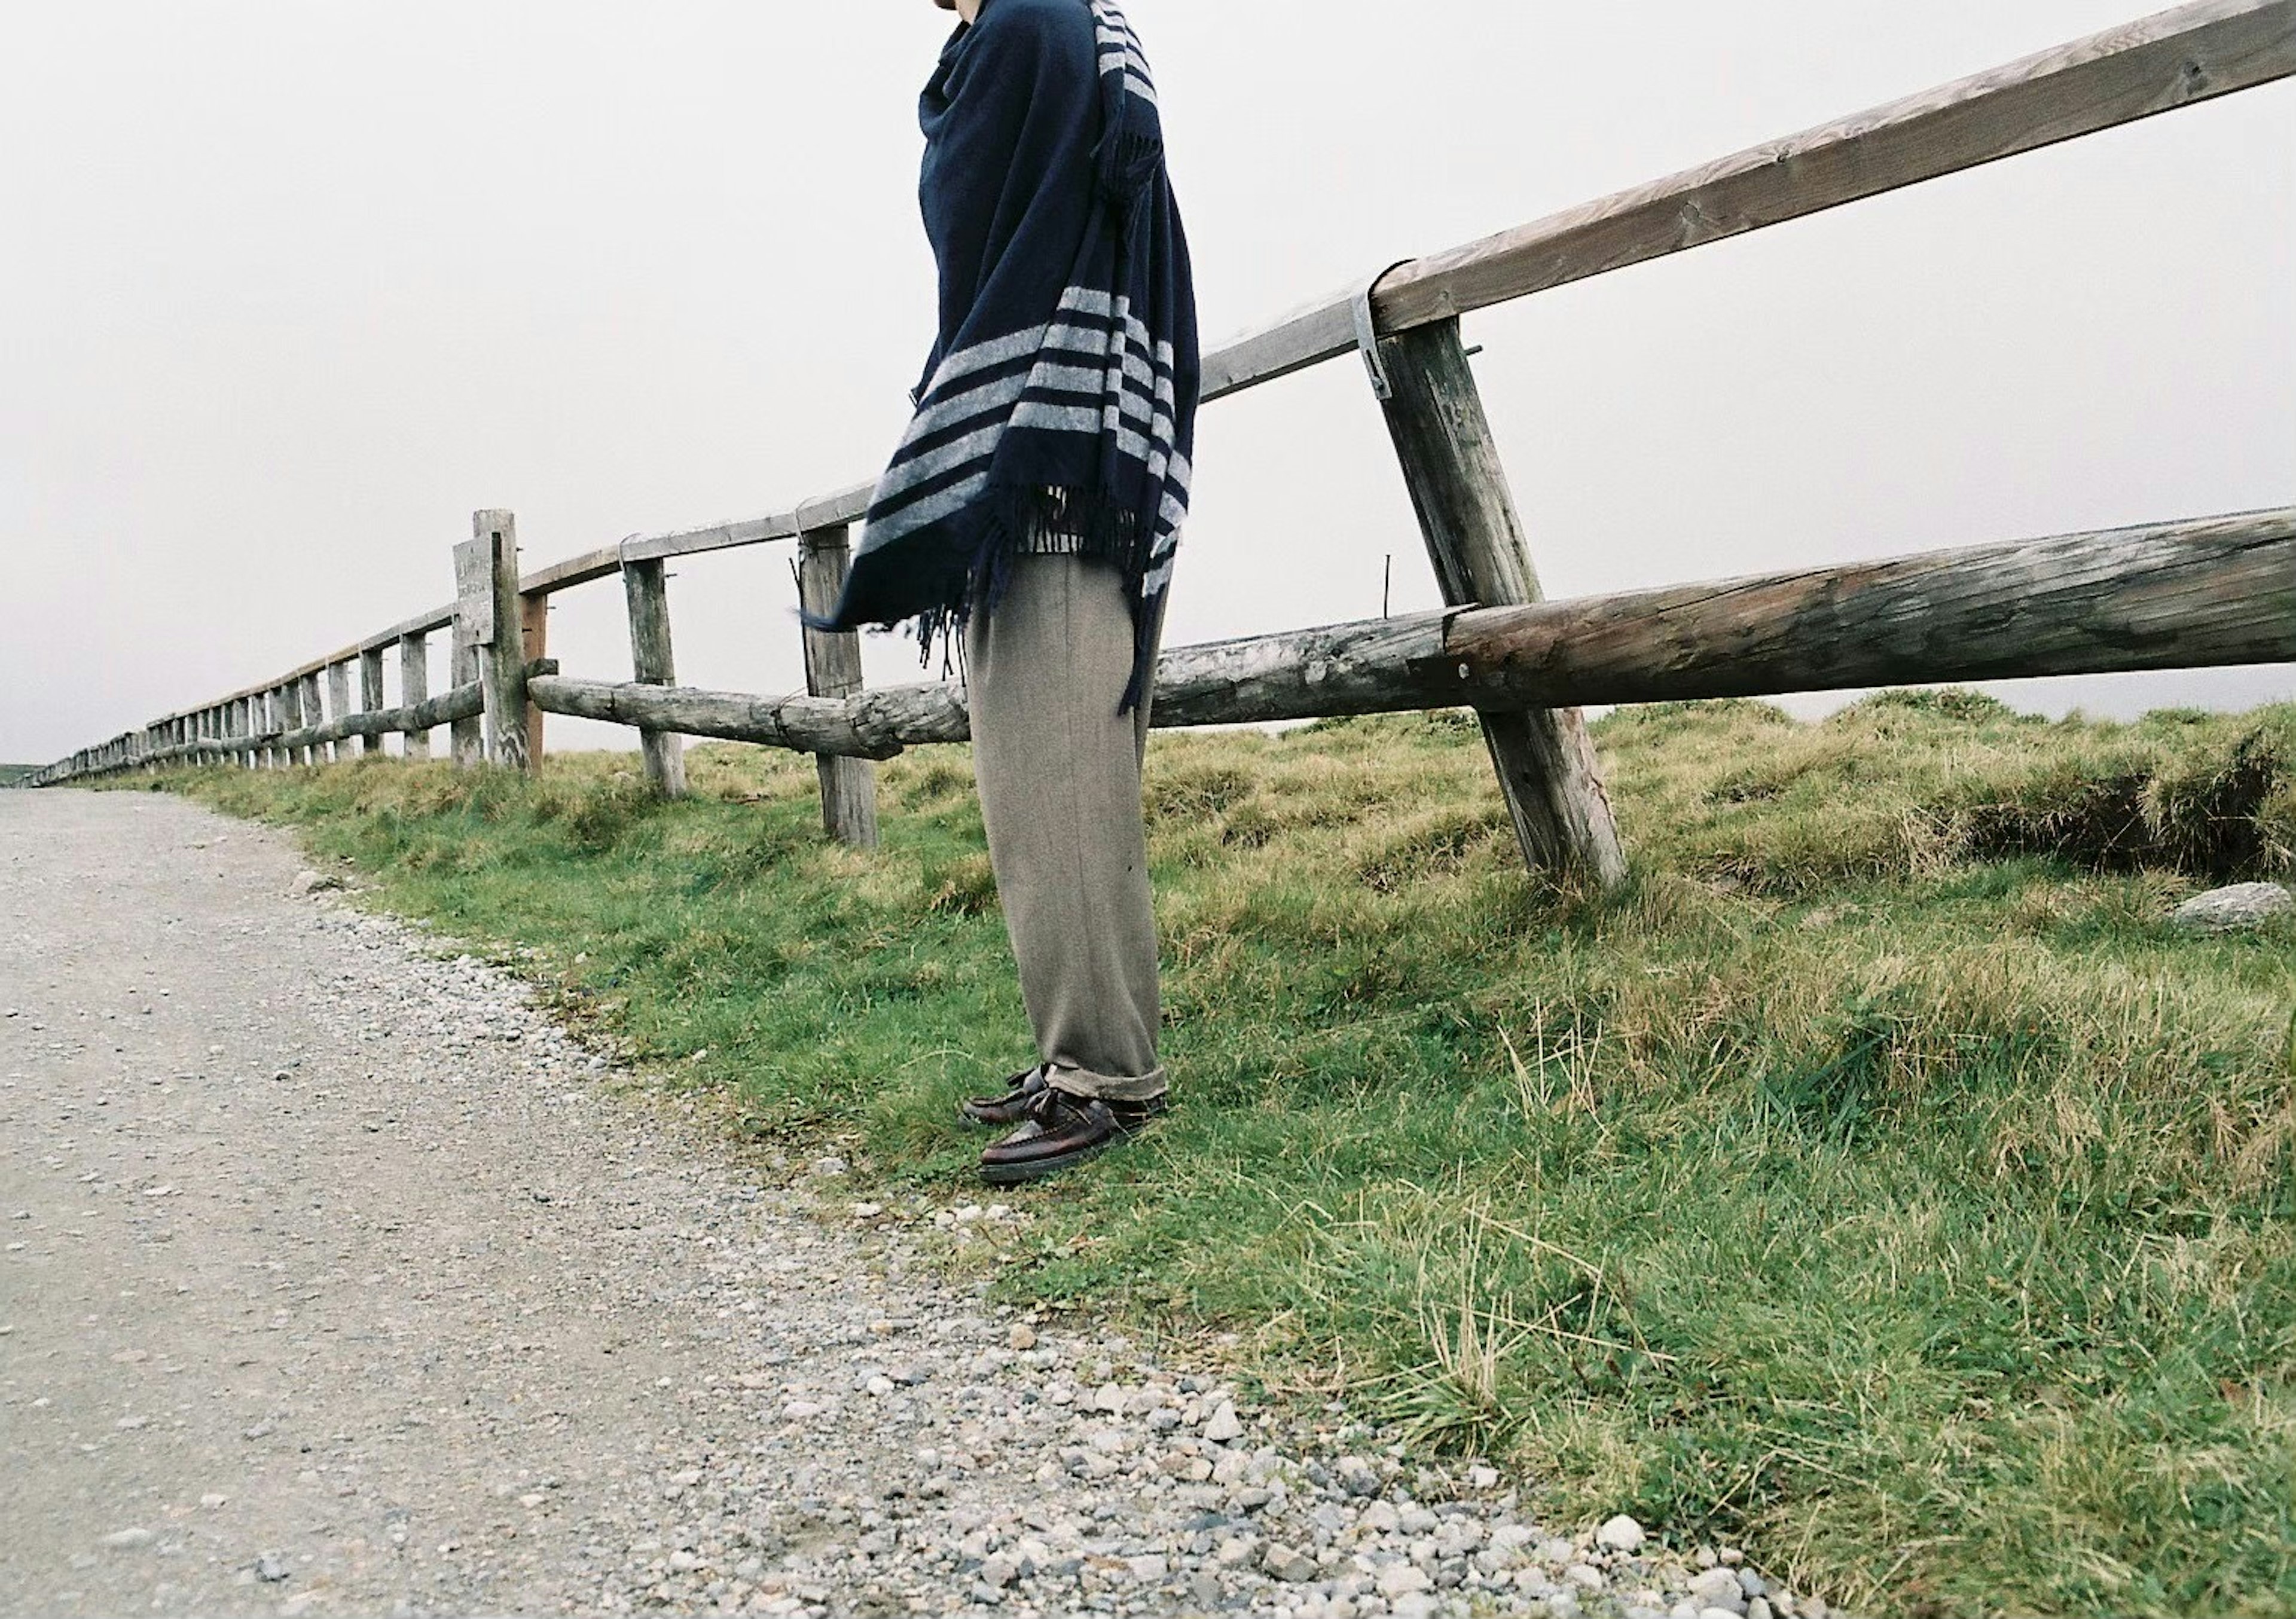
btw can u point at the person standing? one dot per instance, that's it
(1029, 518)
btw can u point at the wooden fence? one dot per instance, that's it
(2178, 594)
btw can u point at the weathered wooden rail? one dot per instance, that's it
(2208, 590)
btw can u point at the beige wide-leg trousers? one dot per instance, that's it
(1059, 775)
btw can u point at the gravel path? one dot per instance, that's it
(338, 1281)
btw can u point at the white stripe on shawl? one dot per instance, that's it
(995, 351)
(931, 509)
(906, 475)
(957, 408)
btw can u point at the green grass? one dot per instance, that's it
(11, 774)
(1877, 1181)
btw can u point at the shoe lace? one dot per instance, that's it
(1048, 1104)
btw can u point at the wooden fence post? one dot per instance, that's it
(832, 668)
(1546, 760)
(338, 703)
(414, 687)
(487, 620)
(371, 694)
(474, 603)
(646, 587)
(290, 716)
(533, 629)
(314, 713)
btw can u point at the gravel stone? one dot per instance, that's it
(1621, 1534)
(1719, 1587)
(372, 1290)
(1286, 1564)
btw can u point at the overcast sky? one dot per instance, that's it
(289, 287)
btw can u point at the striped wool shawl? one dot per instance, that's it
(1057, 410)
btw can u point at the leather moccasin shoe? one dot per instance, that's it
(1063, 1131)
(1009, 1109)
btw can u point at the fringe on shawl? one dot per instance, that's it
(1044, 521)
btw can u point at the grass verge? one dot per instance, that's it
(1877, 1181)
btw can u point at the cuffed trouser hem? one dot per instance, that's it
(1083, 1082)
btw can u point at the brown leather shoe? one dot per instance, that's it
(1063, 1131)
(1009, 1109)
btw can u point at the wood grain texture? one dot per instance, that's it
(534, 632)
(599, 564)
(851, 727)
(338, 701)
(314, 713)
(847, 506)
(370, 693)
(466, 737)
(291, 719)
(1459, 486)
(414, 689)
(2172, 59)
(832, 668)
(645, 590)
(2192, 594)
(502, 655)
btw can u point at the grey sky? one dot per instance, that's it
(289, 287)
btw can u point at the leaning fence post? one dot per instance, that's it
(487, 617)
(832, 668)
(1546, 760)
(645, 587)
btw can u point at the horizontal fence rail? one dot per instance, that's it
(2170, 595)
(2180, 594)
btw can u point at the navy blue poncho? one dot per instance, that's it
(1057, 410)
